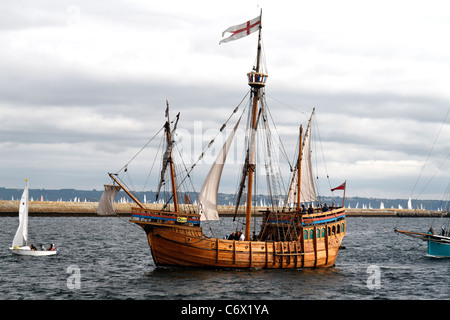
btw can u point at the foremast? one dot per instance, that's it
(170, 160)
(167, 161)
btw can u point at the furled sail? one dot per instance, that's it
(207, 199)
(106, 203)
(22, 231)
(167, 154)
(307, 188)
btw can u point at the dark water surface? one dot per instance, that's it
(109, 259)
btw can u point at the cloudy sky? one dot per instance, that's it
(83, 85)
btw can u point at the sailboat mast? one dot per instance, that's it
(256, 88)
(299, 168)
(172, 171)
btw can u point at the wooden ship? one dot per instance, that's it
(288, 236)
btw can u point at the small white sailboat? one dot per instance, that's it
(21, 236)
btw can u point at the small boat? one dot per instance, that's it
(438, 245)
(21, 236)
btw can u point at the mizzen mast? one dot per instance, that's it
(299, 169)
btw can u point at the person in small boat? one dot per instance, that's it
(52, 247)
(42, 247)
(32, 247)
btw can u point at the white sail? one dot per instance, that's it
(106, 203)
(207, 199)
(409, 203)
(22, 231)
(307, 188)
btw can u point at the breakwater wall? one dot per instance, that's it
(89, 209)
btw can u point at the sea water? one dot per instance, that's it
(108, 258)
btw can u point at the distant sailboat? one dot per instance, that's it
(21, 236)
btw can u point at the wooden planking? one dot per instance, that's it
(188, 246)
(217, 256)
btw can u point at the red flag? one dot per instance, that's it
(341, 187)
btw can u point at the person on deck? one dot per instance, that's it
(325, 208)
(310, 209)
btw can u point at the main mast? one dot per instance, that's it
(256, 81)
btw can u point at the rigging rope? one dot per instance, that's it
(431, 178)
(213, 139)
(316, 126)
(429, 153)
(125, 166)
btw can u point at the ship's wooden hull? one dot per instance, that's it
(174, 244)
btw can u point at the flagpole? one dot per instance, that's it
(345, 188)
(259, 43)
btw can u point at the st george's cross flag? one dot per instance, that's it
(242, 30)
